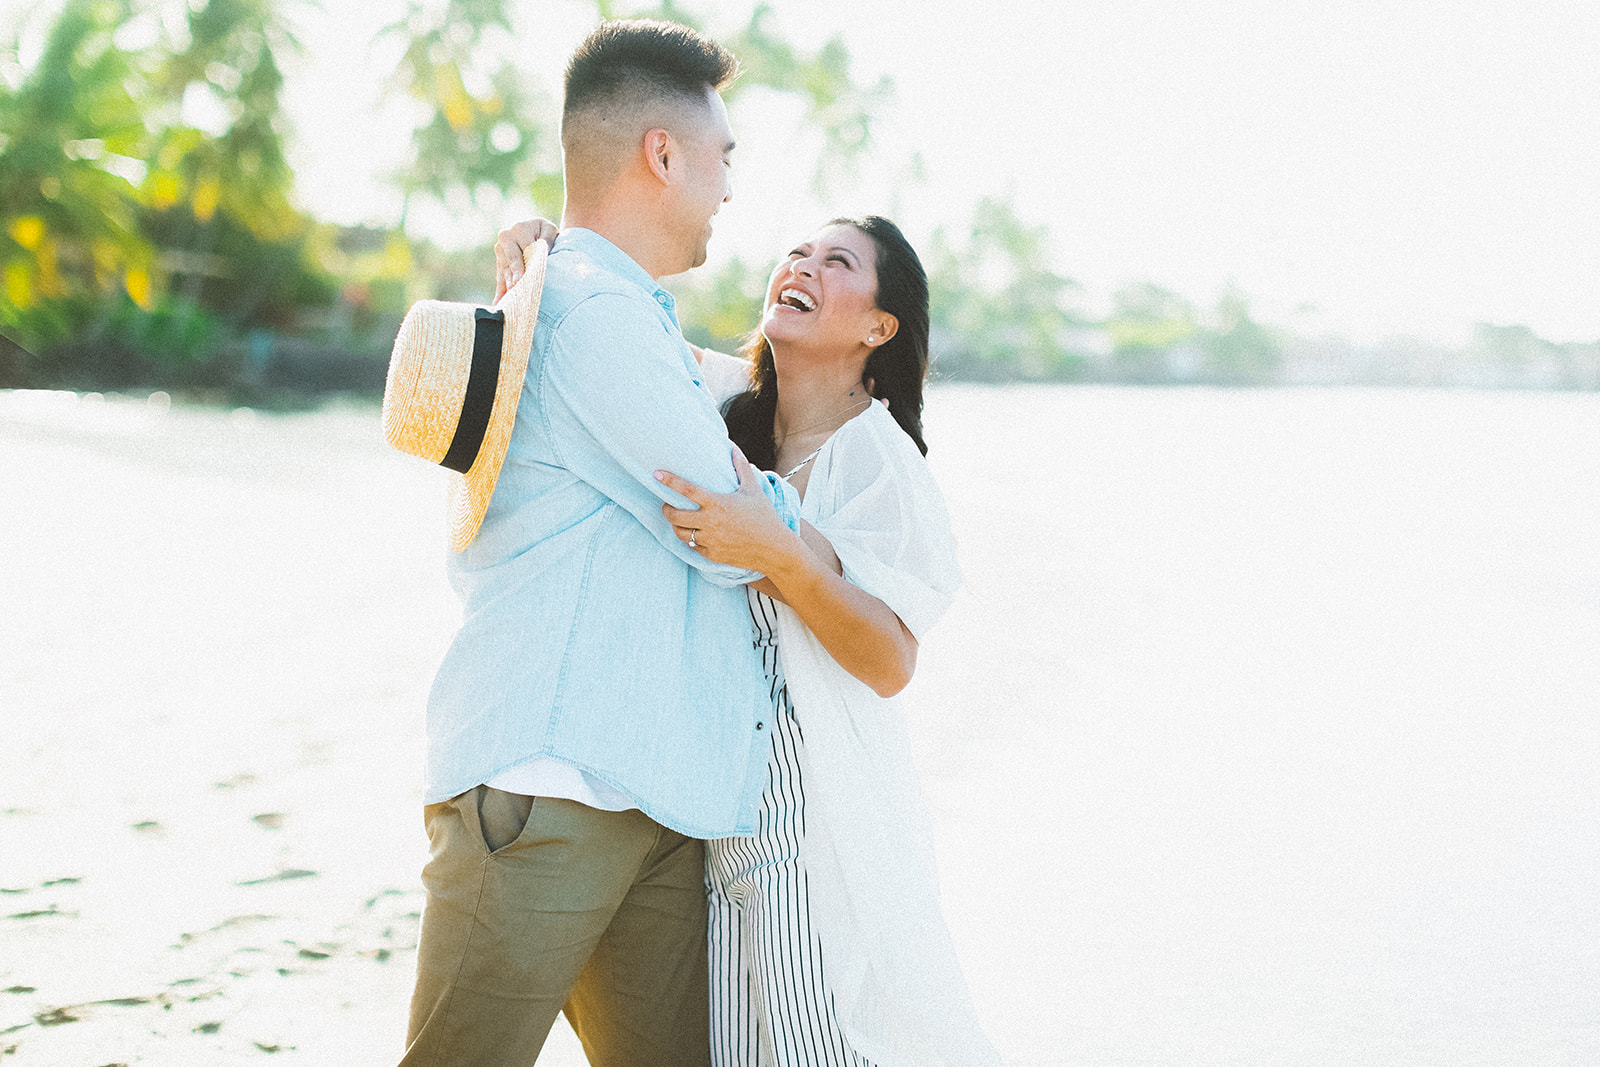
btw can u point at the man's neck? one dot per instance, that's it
(639, 239)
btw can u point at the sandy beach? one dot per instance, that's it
(1264, 732)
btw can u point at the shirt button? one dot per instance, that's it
(760, 725)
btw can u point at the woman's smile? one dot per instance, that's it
(832, 278)
(795, 299)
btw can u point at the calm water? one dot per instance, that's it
(1264, 732)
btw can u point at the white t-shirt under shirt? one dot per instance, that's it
(549, 777)
(545, 776)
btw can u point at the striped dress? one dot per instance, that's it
(770, 1005)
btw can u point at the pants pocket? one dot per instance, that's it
(502, 816)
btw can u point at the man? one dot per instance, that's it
(601, 708)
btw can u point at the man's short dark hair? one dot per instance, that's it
(629, 59)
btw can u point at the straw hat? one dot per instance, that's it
(454, 381)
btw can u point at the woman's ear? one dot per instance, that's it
(882, 329)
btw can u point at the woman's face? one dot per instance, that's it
(824, 295)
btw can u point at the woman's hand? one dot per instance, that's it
(741, 529)
(509, 247)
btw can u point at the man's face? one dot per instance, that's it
(706, 149)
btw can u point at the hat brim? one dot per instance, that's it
(471, 492)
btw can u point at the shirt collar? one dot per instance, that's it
(615, 260)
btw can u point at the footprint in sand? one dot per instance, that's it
(237, 920)
(282, 876)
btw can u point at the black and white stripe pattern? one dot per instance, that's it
(770, 1005)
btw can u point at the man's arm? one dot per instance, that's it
(622, 404)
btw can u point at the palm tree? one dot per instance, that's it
(485, 130)
(71, 137)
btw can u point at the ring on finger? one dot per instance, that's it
(691, 539)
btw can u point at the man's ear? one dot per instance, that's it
(659, 152)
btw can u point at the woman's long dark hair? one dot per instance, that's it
(896, 369)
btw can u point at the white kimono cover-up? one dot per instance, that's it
(899, 993)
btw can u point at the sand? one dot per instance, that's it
(1263, 733)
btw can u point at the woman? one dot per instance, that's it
(827, 946)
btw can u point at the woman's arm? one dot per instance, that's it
(859, 631)
(508, 249)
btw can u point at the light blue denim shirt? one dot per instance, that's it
(590, 633)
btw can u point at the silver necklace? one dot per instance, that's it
(802, 463)
(857, 405)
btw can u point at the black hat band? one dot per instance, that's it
(488, 334)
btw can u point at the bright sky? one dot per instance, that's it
(1365, 166)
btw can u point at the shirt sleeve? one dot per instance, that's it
(726, 376)
(888, 523)
(622, 405)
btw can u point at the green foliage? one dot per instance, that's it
(127, 229)
(242, 278)
(998, 309)
(1147, 326)
(835, 104)
(1158, 336)
(1237, 349)
(68, 135)
(1510, 346)
(175, 330)
(718, 309)
(231, 56)
(148, 232)
(147, 196)
(483, 128)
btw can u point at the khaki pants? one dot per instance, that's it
(538, 905)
